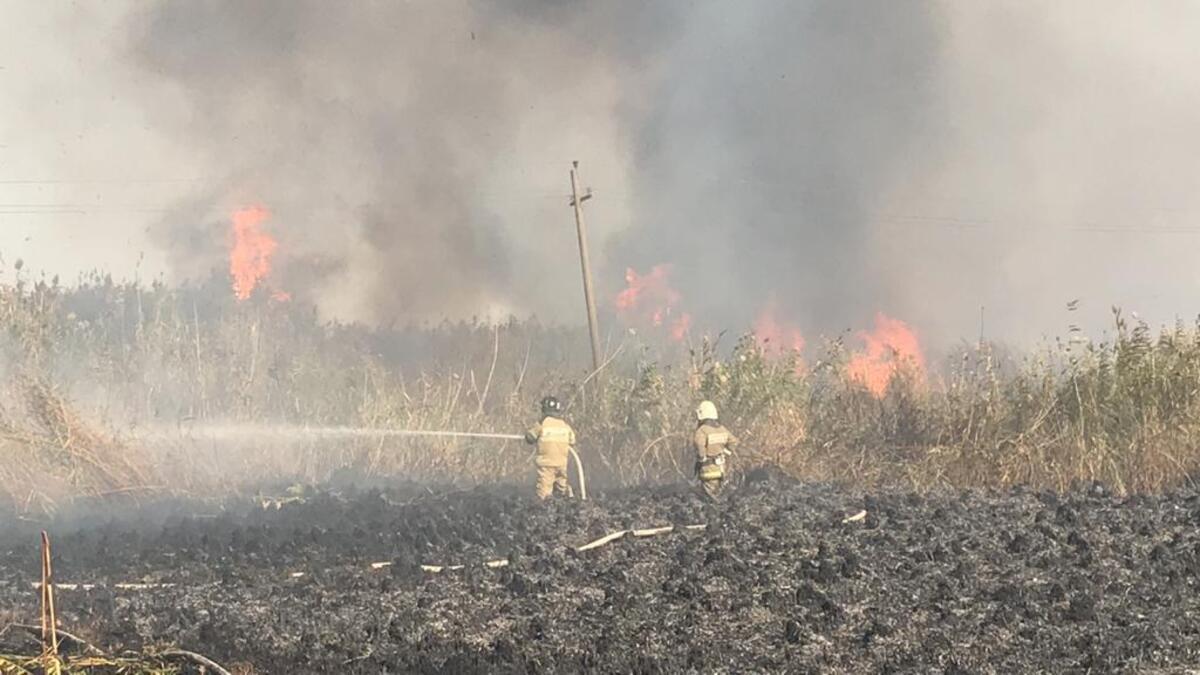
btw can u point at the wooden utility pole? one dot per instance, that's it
(577, 202)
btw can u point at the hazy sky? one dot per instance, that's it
(919, 158)
(81, 169)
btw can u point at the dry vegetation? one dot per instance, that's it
(135, 362)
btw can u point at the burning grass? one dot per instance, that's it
(98, 372)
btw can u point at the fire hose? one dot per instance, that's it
(503, 437)
(242, 430)
(510, 437)
(609, 538)
(579, 471)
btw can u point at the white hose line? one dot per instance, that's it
(856, 518)
(434, 569)
(653, 531)
(218, 431)
(89, 587)
(579, 472)
(612, 536)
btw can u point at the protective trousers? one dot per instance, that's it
(553, 480)
(712, 487)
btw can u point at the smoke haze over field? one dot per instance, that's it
(920, 158)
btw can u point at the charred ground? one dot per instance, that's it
(963, 582)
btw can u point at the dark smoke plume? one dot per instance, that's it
(925, 159)
(779, 130)
(384, 137)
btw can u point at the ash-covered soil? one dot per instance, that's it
(970, 582)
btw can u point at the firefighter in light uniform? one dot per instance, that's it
(554, 439)
(714, 444)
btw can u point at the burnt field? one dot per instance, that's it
(777, 582)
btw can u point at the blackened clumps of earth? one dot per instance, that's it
(993, 581)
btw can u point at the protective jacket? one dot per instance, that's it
(712, 442)
(554, 438)
(713, 439)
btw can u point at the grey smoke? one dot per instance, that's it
(927, 159)
(396, 144)
(779, 129)
(919, 158)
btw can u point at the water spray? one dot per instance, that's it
(241, 430)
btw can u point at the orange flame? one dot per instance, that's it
(774, 337)
(680, 328)
(891, 344)
(651, 290)
(250, 259)
(648, 299)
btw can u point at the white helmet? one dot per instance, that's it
(706, 411)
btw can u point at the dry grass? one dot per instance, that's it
(1124, 412)
(48, 450)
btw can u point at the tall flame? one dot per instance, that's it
(649, 299)
(776, 338)
(889, 345)
(647, 291)
(250, 258)
(681, 326)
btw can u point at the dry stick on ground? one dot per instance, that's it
(198, 659)
(49, 630)
(49, 627)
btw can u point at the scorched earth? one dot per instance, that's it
(778, 581)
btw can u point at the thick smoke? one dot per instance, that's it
(778, 129)
(407, 151)
(935, 161)
(924, 159)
